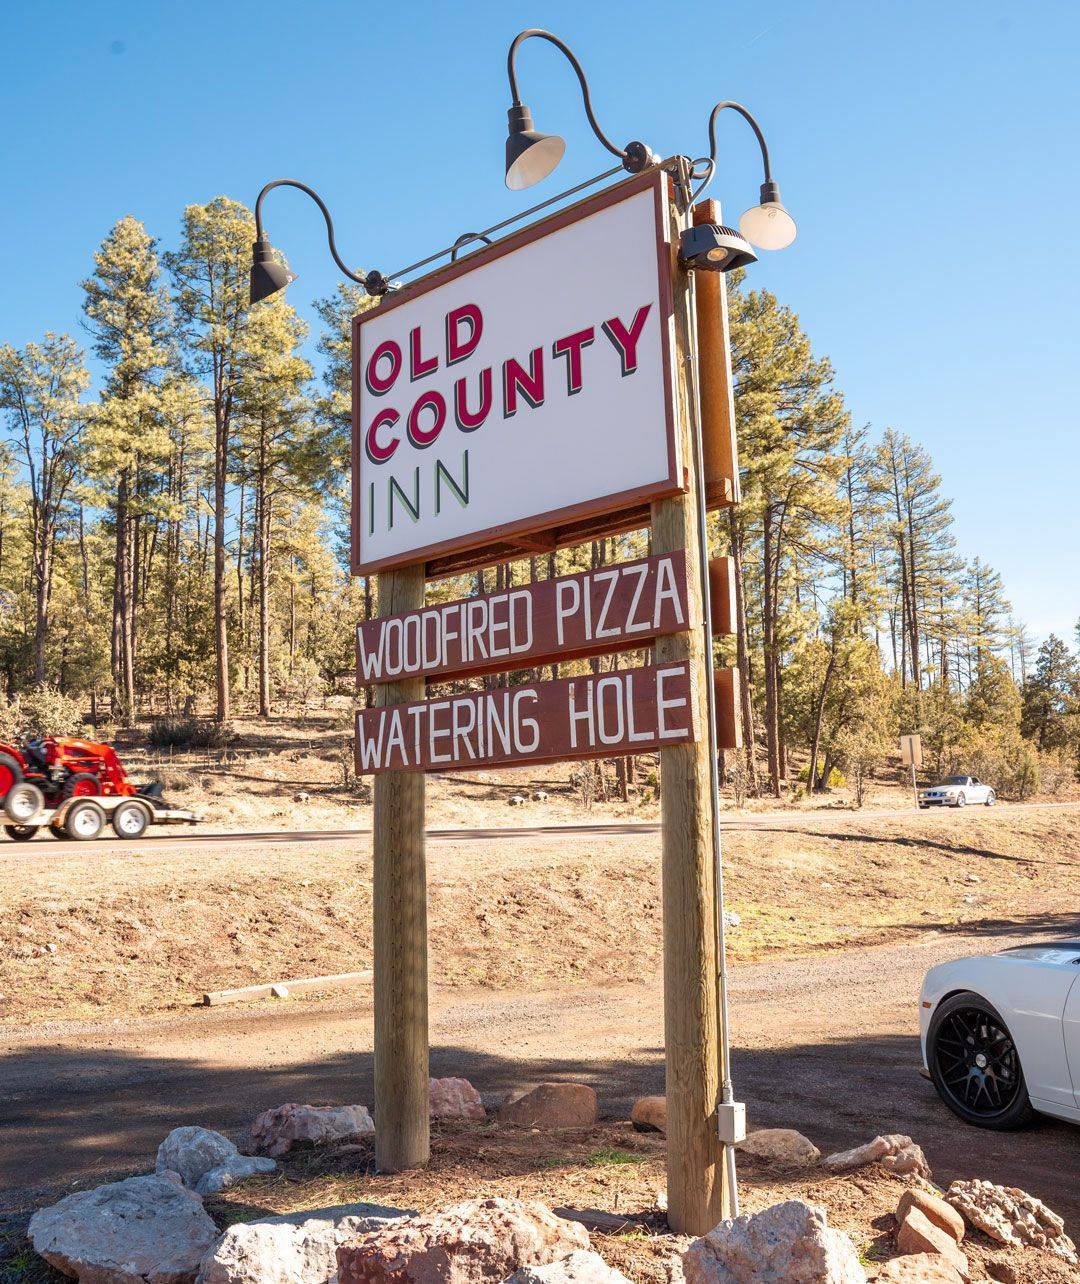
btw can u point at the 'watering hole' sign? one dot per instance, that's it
(526, 386)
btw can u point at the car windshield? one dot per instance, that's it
(955, 780)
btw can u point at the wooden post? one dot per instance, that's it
(697, 1194)
(400, 930)
(716, 387)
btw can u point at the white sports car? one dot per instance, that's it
(1001, 1034)
(957, 791)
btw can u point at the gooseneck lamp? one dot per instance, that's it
(767, 225)
(269, 271)
(531, 155)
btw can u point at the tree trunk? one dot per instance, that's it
(772, 712)
(221, 632)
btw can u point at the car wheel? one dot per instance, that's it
(961, 801)
(975, 1066)
(130, 820)
(924, 806)
(991, 798)
(84, 820)
(20, 833)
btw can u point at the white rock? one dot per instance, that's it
(299, 1248)
(897, 1153)
(540, 795)
(789, 1243)
(1011, 1216)
(781, 1146)
(206, 1161)
(517, 800)
(731, 918)
(145, 1230)
(279, 991)
(278, 1130)
(582, 1267)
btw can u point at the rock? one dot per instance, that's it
(1011, 1216)
(540, 795)
(789, 1243)
(298, 1248)
(302, 796)
(279, 991)
(919, 1268)
(145, 1230)
(893, 1151)
(918, 1234)
(206, 1161)
(454, 1099)
(517, 800)
(582, 1267)
(650, 1114)
(276, 1131)
(731, 918)
(934, 1208)
(1003, 1272)
(781, 1146)
(482, 1241)
(551, 1105)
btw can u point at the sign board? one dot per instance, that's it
(596, 612)
(911, 750)
(527, 386)
(628, 711)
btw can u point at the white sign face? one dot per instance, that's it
(525, 388)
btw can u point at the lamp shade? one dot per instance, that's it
(768, 226)
(530, 155)
(269, 273)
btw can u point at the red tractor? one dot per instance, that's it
(74, 786)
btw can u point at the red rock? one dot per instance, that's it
(918, 1234)
(935, 1209)
(455, 1099)
(276, 1131)
(483, 1241)
(919, 1268)
(650, 1114)
(551, 1105)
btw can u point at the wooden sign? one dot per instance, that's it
(596, 612)
(523, 389)
(911, 751)
(604, 715)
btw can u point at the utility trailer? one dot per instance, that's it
(83, 818)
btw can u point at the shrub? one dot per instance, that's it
(837, 779)
(188, 733)
(41, 711)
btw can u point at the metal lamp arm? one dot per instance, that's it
(753, 125)
(303, 187)
(511, 73)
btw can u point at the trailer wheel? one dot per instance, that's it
(24, 802)
(20, 833)
(130, 820)
(84, 820)
(57, 831)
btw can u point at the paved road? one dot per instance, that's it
(184, 840)
(826, 1043)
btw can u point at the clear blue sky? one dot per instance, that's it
(927, 150)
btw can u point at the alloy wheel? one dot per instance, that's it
(977, 1062)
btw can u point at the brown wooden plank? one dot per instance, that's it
(728, 715)
(715, 385)
(613, 608)
(722, 595)
(601, 715)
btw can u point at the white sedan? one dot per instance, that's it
(1001, 1034)
(957, 791)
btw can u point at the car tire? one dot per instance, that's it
(961, 801)
(991, 798)
(11, 773)
(963, 1030)
(924, 806)
(84, 820)
(20, 833)
(131, 820)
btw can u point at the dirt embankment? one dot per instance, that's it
(96, 934)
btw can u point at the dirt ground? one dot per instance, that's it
(610, 1169)
(140, 928)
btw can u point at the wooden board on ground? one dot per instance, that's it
(244, 993)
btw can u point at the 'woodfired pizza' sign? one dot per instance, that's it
(524, 387)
